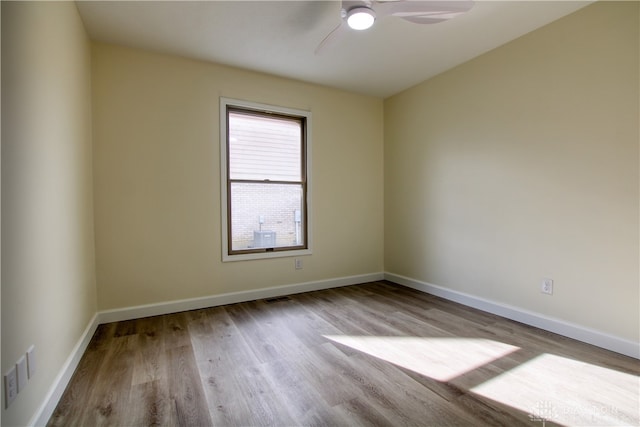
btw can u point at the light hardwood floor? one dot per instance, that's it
(371, 354)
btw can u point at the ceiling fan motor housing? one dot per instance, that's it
(360, 17)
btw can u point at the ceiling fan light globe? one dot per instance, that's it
(360, 18)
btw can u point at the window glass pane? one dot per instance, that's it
(266, 215)
(264, 148)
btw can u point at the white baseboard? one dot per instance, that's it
(561, 327)
(64, 376)
(167, 307)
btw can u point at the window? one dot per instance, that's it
(265, 180)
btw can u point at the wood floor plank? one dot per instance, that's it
(244, 397)
(102, 336)
(410, 397)
(219, 346)
(304, 403)
(150, 405)
(176, 333)
(125, 328)
(261, 343)
(361, 413)
(150, 362)
(68, 412)
(220, 350)
(321, 370)
(372, 354)
(272, 323)
(108, 403)
(308, 327)
(185, 388)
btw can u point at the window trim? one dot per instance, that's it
(225, 105)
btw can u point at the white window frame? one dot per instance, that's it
(229, 102)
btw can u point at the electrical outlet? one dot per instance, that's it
(31, 361)
(298, 263)
(547, 286)
(10, 386)
(21, 368)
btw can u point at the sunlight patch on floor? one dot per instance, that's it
(439, 358)
(568, 392)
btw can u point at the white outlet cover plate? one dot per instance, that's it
(10, 386)
(31, 361)
(21, 367)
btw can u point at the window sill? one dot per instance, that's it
(265, 255)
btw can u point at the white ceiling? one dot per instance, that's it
(280, 37)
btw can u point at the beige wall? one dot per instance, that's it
(523, 164)
(157, 179)
(518, 165)
(48, 278)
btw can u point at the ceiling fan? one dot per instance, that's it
(362, 14)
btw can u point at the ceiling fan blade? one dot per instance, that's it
(429, 18)
(423, 11)
(330, 38)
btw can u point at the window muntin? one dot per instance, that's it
(265, 175)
